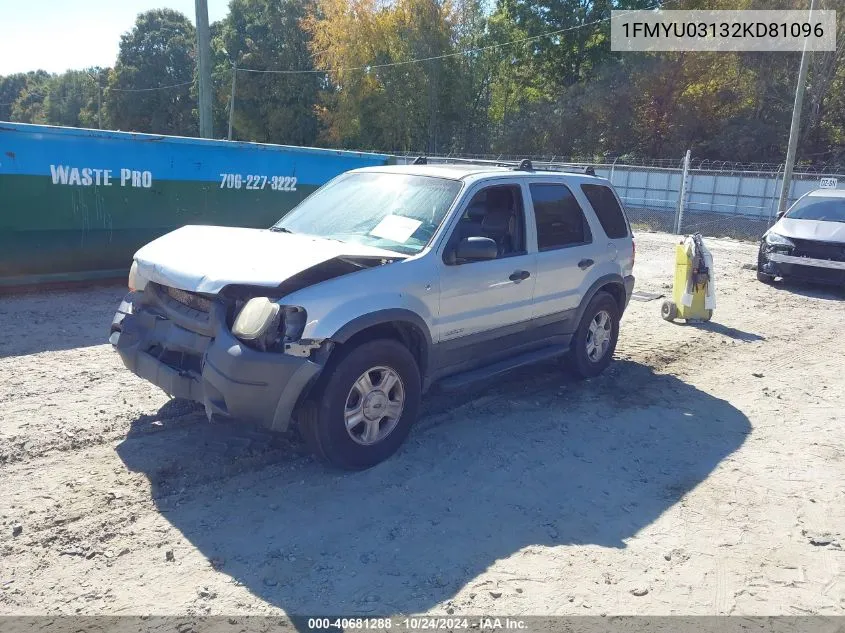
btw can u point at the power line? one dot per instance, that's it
(184, 83)
(179, 85)
(447, 55)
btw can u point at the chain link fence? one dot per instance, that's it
(718, 200)
(714, 198)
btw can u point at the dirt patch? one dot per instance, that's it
(702, 474)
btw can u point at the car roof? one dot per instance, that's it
(470, 172)
(827, 193)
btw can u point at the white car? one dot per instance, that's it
(808, 241)
(384, 282)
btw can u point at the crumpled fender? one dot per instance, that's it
(334, 304)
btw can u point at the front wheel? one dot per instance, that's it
(365, 408)
(595, 339)
(761, 276)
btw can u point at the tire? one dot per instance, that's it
(582, 362)
(323, 420)
(761, 276)
(669, 311)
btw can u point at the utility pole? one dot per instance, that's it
(232, 98)
(204, 68)
(794, 127)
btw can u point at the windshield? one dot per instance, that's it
(817, 208)
(398, 212)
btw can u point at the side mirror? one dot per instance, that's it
(780, 215)
(474, 249)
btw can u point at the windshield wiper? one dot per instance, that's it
(280, 229)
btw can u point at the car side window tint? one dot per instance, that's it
(560, 220)
(607, 209)
(497, 213)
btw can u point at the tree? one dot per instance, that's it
(23, 95)
(266, 35)
(823, 127)
(375, 96)
(10, 89)
(94, 113)
(70, 98)
(150, 87)
(454, 76)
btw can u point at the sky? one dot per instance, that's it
(58, 35)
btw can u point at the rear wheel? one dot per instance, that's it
(595, 339)
(365, 408)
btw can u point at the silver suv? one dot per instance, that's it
(383, 283)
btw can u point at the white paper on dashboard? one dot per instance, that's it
(396, 228)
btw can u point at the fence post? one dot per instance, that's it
(682, 194)
(612, 168)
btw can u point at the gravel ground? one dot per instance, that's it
(704, 473)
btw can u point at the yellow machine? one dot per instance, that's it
(693, 296)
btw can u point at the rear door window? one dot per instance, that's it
(607, 208)
(560, 220)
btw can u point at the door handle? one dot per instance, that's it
(519, 275)
(584, 264)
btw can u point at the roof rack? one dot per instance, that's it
(522, 165)
(589, 170)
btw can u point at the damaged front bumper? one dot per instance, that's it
(191, 354)
(793, 263)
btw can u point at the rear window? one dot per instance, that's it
(607, 209)
(818, 208)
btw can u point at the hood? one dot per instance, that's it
(811, 230)
(207, 258)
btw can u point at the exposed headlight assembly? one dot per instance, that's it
(264, 323)
(256, 318)
(775, 239)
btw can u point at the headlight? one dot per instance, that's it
(137, 282)
(256, 318)
(266, 324)
(774, 239)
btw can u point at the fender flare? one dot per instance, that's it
(591, 292)
(387, 317)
